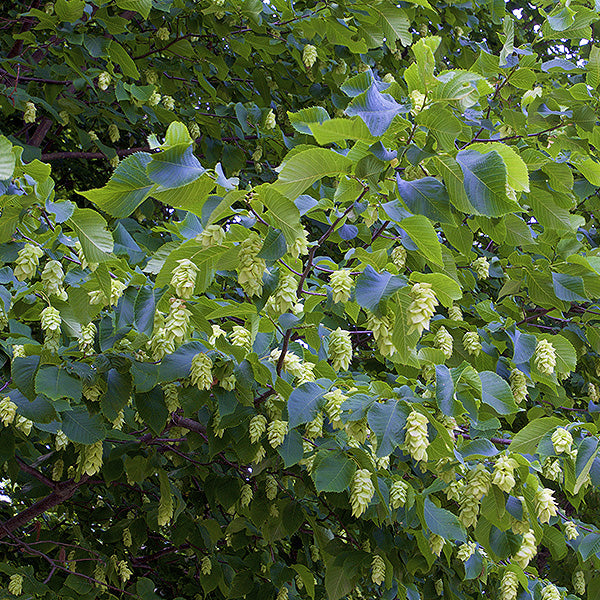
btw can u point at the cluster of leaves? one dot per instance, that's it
(330, 328)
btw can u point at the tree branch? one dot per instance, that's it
(62, 492)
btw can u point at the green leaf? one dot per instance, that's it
(23, 370)
(152, 409)
(590, 169)
(377, 110)
(281, 212)
(141, 6)
(128, 187)
(589, 545)
(593, 67)
(304, 119)
(443, 124)
(516, 170)
(442, 522)
(119, 55)
(373, 287)
(387, 420)
(485, 178)
(305, 168)
(527, 439)
(404, 342)
(56, 383)
(338, 130)
(69, 10)
(303, 403)
(274, 246)
(332, 471)
(174, 167)
(427, 197)
(91, 229)
(7, 159)
(586, 453)
(568, 287)
(81, 427)
(497, 393)
(308, 579)
(422, 233)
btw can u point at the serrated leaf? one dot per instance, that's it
(527, 439)
(377, 110)
(497, 393)
(373, 287)
(442, 522)
(303, 403)
(305, 168)
(332, 471)
(91, 228)
(128, 187)
(424, 236)
(387, 420)
(81, 427)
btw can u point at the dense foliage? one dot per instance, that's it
(299, 299)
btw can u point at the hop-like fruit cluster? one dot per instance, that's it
(252, 268)
(466, 550)
(481, 266)
(417, 438)
(271, 487)
(168, 102)
(246, 495)
(161, 344)
(270, 120)
(545, 505)
(398, 493)
(206, 565)
(90, 458)
(52, 278)
(377, 570)
(27, 261)
(285, 297)
(154, 99)
(171, 392)
(276, 432)
(361, 491)
(113, 133)
(550, 592)
(125, 572)
(439, 587)
(422, 307)
(340, 349)
(455, 313)
(314, 429)
(527, 550)
(545, 357)
(518, 385)
(165, 507)
(562, 440)
(579, 583)
(201, 371)
(50, 322)
(184, 278)
(341, 285)
(472, 343)
(436, 543)
(309, 56)
(240, 336)
(8, 410)
(418, 101)
(571, 531)
(15, 584)
(478, 486)
(399, 257)
(61, 441)
(177, 322)
(163, 34)
(23, 424)
(86, 338)
(333, 407)
(258, 425)
(551, 469)
(503, 475)
(57, 470)
(509, 586)
(104, 80)
(443, 341)
(300, 245)
(30, 112)
(382, 328)
(127, 540)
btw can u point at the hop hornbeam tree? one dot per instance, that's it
(299, 299)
